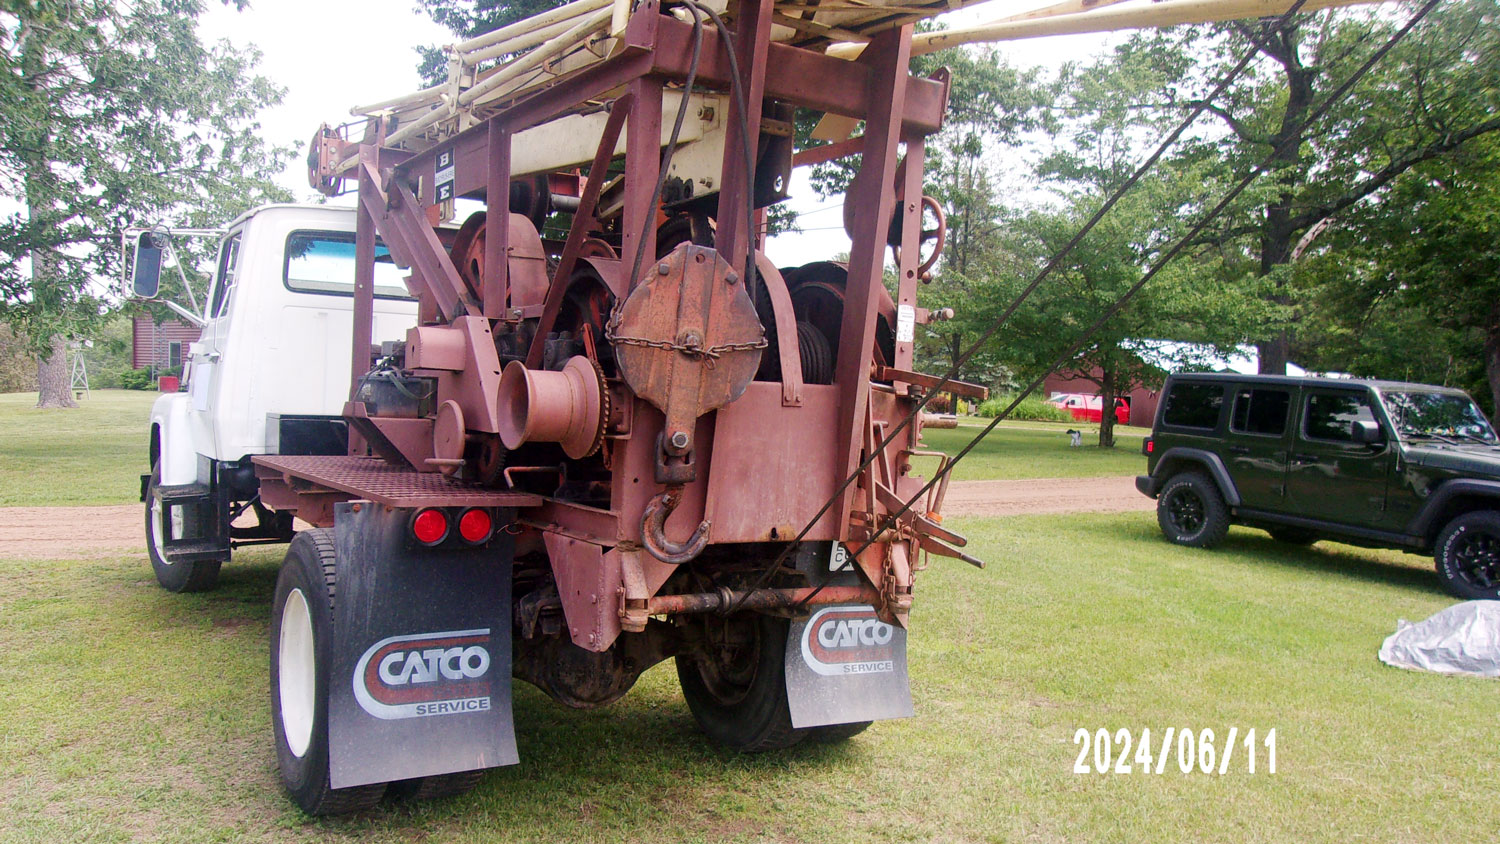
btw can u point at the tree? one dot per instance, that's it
(116, 115)
(1409, 288)
(1178, 304)
(470, 18)
(1094, 144)
(1427, 99)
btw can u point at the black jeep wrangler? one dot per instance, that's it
(1372, 463)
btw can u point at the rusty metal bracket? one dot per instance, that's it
(787, 345)
(960, 388)
(654, 535)
(674, 467)
(634, 594)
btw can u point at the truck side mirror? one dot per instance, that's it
(145, 282)
(1365, 432)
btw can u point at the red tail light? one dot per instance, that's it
(1150, 445)
(475, 526)
(430, 526)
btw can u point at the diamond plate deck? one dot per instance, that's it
(373, 479)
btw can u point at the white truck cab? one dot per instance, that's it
(269, 375)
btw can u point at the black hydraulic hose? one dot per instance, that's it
(736, 85)
(666, 155)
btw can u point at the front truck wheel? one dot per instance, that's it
(161, 521)
(301, 649)
(735, 686)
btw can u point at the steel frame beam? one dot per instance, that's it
(874, 190)
(661, 46)
(738, 184)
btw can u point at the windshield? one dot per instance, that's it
(1438, 415)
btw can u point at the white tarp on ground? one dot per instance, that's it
(1462, 639)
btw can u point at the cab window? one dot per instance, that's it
(1193, 405)
(224, 277)
(323, 262)
(1260, 411)
(1329, 415)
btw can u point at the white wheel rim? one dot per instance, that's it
(296, 674)
(157, 540)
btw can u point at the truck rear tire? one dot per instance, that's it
(1190, 511)
(1468, 556)
(195, 576)
(432, 788)
(836, 733)
(301, 650)
(736, 685)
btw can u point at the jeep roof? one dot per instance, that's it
(1317, 381)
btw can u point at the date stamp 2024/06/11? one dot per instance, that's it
(1189, 751)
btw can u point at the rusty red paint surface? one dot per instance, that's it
(679, 448)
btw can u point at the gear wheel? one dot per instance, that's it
(605, 409)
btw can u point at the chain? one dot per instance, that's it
(693, 348)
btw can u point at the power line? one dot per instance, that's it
(1156, 267)
(1046, 271)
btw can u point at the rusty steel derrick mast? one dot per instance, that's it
(709, 401)
(665, 409)
(618, 433)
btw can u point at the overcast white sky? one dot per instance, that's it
(333, 54)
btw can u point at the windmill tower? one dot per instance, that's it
(80, 375)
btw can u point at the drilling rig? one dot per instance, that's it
(618, 433)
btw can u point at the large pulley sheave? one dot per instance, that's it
(688, 341)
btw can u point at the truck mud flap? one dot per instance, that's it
(843, 665)
(421, 671)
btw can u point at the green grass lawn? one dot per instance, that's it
(95, 454)
(132, 714)
(1018, 450)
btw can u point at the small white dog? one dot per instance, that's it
(1075, 438)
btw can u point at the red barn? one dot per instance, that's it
(160, 345)
(1142, 401)
(1165, 356)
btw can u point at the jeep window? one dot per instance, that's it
(1260, 411)
(1438, 415)
(1192, 405)
(323, 262)
(1330, 415)
(229, 255)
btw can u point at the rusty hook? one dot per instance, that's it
(654, 534)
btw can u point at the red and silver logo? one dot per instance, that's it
(425, 674)
(848, 640)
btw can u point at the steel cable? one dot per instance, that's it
(666, 156)
(1052, 264)
(1156, 267)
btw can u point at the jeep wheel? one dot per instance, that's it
(195, 576)
(735, 682)
(1191, 512)
(1293, 536)
(1468, 555)
(301, 643)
